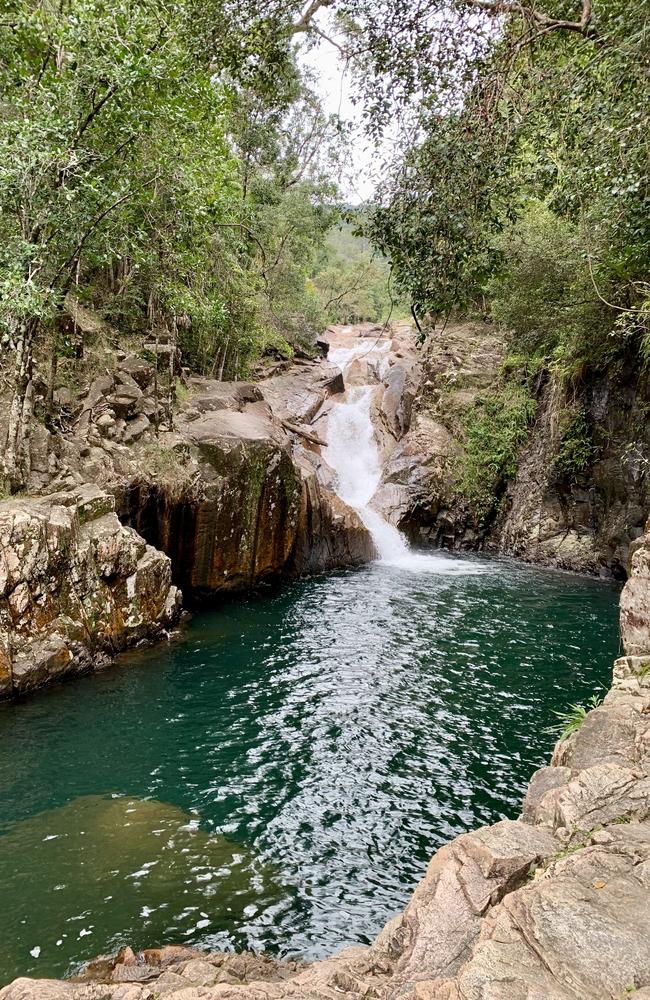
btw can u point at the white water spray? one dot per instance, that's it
(353, 454)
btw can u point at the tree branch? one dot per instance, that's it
(304, 23)
(538, 17)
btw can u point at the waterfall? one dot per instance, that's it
(353, 454)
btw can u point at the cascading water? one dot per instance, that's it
(353, 454)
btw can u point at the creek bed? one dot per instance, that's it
(279, 778)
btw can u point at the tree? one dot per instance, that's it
(118, 175)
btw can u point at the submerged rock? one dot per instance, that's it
(147, 862)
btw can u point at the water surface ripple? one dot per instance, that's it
(280, 777)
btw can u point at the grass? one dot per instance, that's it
(572, 718)
(171, 472)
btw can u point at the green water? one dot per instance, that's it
(279, 778)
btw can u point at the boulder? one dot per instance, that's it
(136, 369)
(243, 528)
(76, 586)
(124, 401)
(135, 429)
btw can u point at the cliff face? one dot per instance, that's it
(235, 494)
(590, 523)
(583, 521)
(555, 904)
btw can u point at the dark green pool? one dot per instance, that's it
(279, 778)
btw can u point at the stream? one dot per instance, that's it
(279, 776)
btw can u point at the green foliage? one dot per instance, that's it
(434, 222)
(575, 451)
(133, 173)
(495, 427)
(572, 720)
(353, 282)
(525, 189)
(543, 293)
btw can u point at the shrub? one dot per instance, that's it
(576, 447)
(544, 293)
(495, 428)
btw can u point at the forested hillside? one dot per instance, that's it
(170, 166)
(166, 165)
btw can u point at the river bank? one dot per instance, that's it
(486, 914)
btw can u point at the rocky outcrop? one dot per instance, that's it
(419, 487)
(555, 904)
(228, 489)
(258, 501)
(76, 587)
(635, 599)
(237, 526)
(586, 522)
(582, 519)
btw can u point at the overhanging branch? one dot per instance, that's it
(583, 26)
(306, 18)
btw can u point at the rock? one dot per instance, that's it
(99, 389)
(401, 383)
(124, 402)
(127, 384)
(136, 369)
(244, 527)
(443, 920)
(106, 423)
(581, 932)
(75, 587)
(330, 534)
(300, 394)
(257, 507)
(635, 601)
(62, 397)
(418, 477)
(135, 429)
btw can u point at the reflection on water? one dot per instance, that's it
(315, 747)
(115, 870)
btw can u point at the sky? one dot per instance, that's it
(334, 86)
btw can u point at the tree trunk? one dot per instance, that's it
(16, 455)
(223, 360)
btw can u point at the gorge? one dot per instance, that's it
(324, 500)
(277, 778)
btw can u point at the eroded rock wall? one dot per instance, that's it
(583, 520)
(76, 587)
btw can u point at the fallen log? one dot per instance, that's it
(303, 433)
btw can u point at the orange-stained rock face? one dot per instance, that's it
(261, 507)
(244, 529)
